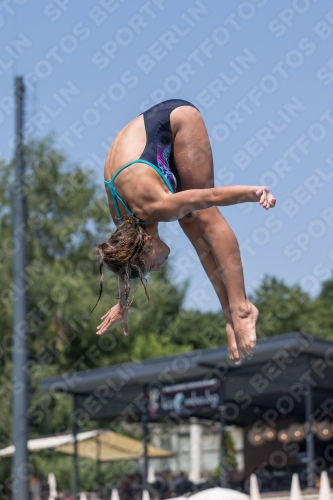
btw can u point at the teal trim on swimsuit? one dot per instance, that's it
(116, 196)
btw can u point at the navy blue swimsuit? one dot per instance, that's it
(157, 150)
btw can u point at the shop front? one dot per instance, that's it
(281, 400)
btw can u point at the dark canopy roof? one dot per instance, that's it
(273, 378)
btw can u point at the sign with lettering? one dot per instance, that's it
(185, 398)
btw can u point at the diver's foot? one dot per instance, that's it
(244, 322)
(233, 350)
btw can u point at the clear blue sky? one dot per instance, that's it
(262, 74)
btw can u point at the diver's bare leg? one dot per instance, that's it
(194, 163)
(192, 231)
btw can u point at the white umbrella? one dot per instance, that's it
(45, 443)
(114, 494)
(295, 491)
(325, 487)
(108, 445)
(254, 488)
(145, 495)
(52, 486)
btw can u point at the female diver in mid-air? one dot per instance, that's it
(160, 169)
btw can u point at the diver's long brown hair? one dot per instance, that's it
(125, 253)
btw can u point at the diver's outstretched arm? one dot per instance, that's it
(168, 208)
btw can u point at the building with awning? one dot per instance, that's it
(281, 399)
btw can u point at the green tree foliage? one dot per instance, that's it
(323, 310)
(231, 461)
(282, 309)
(286, 309)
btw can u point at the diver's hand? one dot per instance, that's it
(266, 199)
(112, 317)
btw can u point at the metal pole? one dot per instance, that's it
(223, 451)
(20, 484)
(145, 440)
(310, 450)
(75, 457)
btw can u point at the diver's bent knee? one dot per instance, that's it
(208, 215)
(187, 220)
